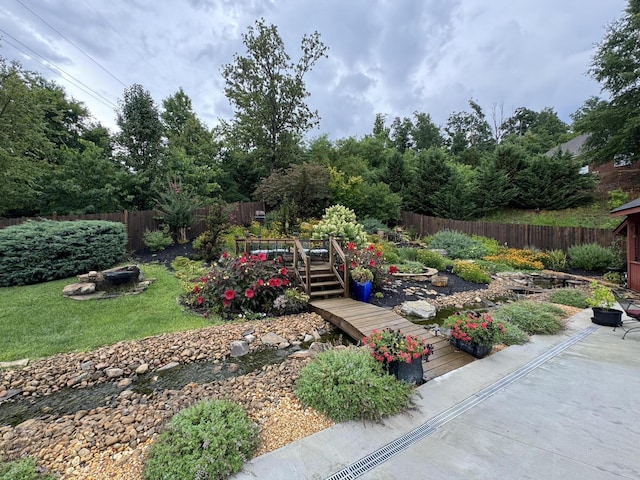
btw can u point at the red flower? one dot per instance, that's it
(354, 264)
(196, 289)
(225, 254)
(393, 269)
(200, 300)
(229, 294)
(275, 282)
(283, 271)
(261, 282)
(341, 267)
(378, 254)
(225, 302)
(351, 246)
(249, 293)
(262, 256)
(243, 260)
(285, 282)
(204, 279)
(371, 248)
(372, 263)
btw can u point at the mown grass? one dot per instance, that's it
(36, 321)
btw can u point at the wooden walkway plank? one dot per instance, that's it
(359, 319)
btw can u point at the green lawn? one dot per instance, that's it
(36, 321)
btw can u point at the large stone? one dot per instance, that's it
(15, 363)
(114, 372)
(78, 289)
(168, 366)
(272, 339)
(419, 308)
(439, 281)
(239, 348)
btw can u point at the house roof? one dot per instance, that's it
(573, 146)
(627, 209)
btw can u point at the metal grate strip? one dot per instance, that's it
(381, 455)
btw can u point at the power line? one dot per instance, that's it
(79, 49)
(106, 102)
(124, 39)
(57, 67)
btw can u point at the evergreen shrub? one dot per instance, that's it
(459, 245)
(533, 318)
(350, 384)
(569, 296)
(22, 469)
(591, 257)
(157, 240)
(211, 439)
(36, 252)
(432, 259)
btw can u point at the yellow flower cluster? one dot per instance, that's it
(519, 258)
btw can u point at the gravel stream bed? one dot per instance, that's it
(110, 441)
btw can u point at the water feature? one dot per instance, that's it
(70, 400)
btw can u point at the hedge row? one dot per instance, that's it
(35, 252)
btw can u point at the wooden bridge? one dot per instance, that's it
(359, 319)
(317, 266)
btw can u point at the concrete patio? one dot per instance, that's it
(560, 407)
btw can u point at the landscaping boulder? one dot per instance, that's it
(419, 308)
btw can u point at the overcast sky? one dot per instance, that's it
(385, 56)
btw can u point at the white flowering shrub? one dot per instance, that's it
(340, 221)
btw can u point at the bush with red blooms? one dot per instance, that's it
(474, 327)
(248, 283)
(392, 345)
(371, 259)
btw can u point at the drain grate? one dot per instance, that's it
(381, 455)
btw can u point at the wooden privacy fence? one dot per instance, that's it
(137, 222)
(513, 235)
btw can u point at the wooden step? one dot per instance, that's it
(327, 293)
(315, 285)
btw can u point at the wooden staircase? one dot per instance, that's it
(323, 282)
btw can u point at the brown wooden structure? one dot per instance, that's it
(359, 319)
(631, 228)
(512, 235)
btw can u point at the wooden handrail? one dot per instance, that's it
(298, 252)
(343, 277)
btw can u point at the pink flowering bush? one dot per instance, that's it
(474, 327)
(248, 283)
(391, 345)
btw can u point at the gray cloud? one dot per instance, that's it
(392, 57)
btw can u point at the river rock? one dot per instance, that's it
(168, 366)
(144, 368)
(318, 347)
(419, 308)
(272, 339)
(114, 372)
(239, 348)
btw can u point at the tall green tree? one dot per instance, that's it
(139, 146)
(614, 125)
(430, 178)
(469, 134)
(401, 129)
(425, 133)
(192, 150)
(267, 91)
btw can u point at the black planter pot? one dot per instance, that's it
(407, 372)
(472, 348)
(608, 317)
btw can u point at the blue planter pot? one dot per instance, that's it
(361, 291)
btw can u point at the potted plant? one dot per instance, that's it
(362, 283)
(601, 302)
(401, 355)
(474, 333)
